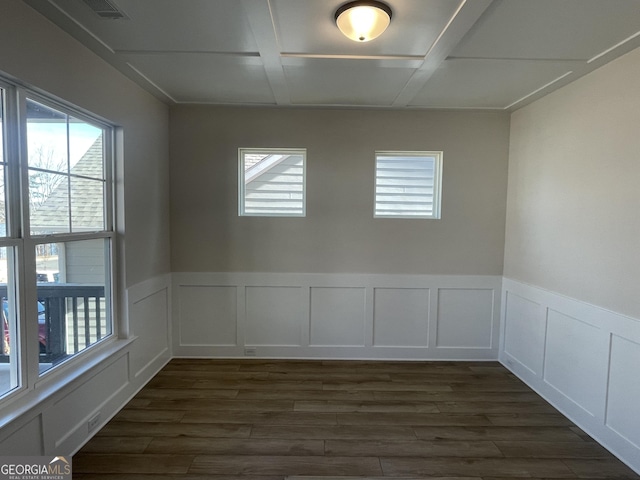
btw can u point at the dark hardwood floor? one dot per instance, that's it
(334, 420)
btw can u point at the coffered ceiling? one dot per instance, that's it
(477, 54)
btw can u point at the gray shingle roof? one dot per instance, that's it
(87, 198)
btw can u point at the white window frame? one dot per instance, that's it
(19, 237)
(270, 151)
(437, 182)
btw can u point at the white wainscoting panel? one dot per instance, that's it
(337, 316)
(54, 417)
(24, 440)
(68, 417)
(401, 317)
(465, 318)
(524, 332)
(273, 316)
(362, 316)
(149, 313)
(586, 365)
(576, 361)
(623, 406)
(218, 304)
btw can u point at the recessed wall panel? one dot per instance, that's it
(149, 321)
(68, 413)
(465, 318)
(21, 442)
(273, 316)
(623, 407)
(207, 315)
(576, 361)
(337, 316)
(401, 317)
(524, 332)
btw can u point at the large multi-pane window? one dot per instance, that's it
(56, 234)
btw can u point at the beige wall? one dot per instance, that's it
(339, 233)
(41, 55)
(573, 217)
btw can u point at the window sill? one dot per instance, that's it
(20, 403)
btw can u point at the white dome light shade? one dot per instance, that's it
(363, 21)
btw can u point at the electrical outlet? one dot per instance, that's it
(93, 421)
(250, 351)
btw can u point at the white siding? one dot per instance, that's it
(85, 262)
(407, 185)
(279, 190)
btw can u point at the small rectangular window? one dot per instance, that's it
(272, 182)
(408, 184)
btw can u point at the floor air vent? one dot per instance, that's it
(105, 9)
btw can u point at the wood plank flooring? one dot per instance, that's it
(340, 420)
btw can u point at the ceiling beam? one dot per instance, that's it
(260, 16)
(463, 19)
(54, 13)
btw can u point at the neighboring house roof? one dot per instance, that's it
(87, 198)
(250, 159)
(264, 164)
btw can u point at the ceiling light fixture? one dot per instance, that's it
(362, 21)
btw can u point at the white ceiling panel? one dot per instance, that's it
(473, 83)
(206, 78)
(344, 82)
(169, 25)
(550, 29)
(436, 53)
(308, 27)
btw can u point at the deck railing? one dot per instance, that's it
(70, 318)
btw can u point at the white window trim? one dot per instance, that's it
(241, 179)
(19, 237)
(437, 182)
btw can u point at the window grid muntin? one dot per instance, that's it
(14, 329)
(3, 160)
